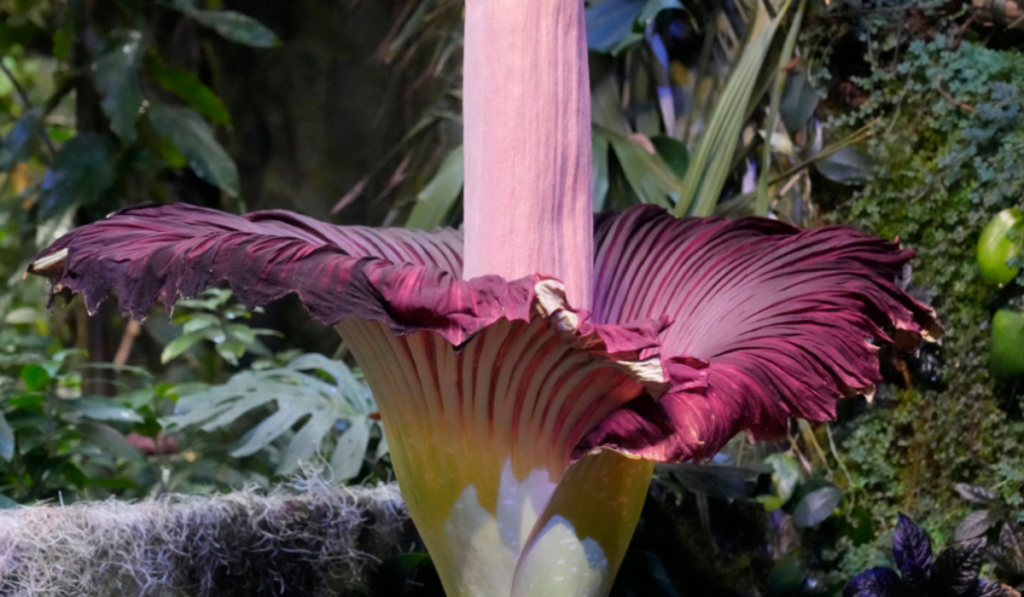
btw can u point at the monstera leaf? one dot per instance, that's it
(311, 388)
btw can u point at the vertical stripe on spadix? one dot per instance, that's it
(526, 114)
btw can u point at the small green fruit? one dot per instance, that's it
(1006, 353)
(996, 248)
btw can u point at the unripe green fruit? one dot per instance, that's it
(996, 247)
(1006, 353)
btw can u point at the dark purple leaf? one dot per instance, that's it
(1009, 552)
(975, 494)
(975, 525)
(988, 588)
(912, 549)
(877, 582)
(955, 573)
(849, 165)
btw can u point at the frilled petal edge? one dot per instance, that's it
(769, 322)
(406, 279)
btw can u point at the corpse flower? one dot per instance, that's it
(531, 368)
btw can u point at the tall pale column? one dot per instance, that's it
(527, 141)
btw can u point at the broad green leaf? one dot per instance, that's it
(356, 393)
(816, 506)
(17, 146)
(311, 386)
(674, 153)
(103, 409)
(36, 377)
(33, 402)
(785, 475)
(109, 440)
(1006, 359)
(220, 406)
(436, 200)
(237, 27)
(268, 430)
(648, 175)
(200, 321)
(81, 172)
(248, 335)
(195, 140)
(231, 25)
(7, 503)
(350, 451)
(163, 147)
(849, 166)
(21, 316)
(606, 107)
(210, 299)
(189, 88)
(306, 441)
(179, 345)
(799, 101)
(116, 73)
(6, 439)
(230, 350)
(228, 407)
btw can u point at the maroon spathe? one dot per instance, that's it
(753, 321)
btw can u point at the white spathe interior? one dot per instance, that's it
(491, 546)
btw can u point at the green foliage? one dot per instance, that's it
(672, 125)
(232, 25)
(88, 126)
(117, 78)
(54, 438)
(435, 202)
(311, 387)
(946, 157)
(193, 137)
(211, 317)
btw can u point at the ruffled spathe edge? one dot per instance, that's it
(770, 323)
(171, 252)
(730, 325)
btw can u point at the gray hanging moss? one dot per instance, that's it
(318, 542)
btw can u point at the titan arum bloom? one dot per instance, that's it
(532, 368)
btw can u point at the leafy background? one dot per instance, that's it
(902, 118)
